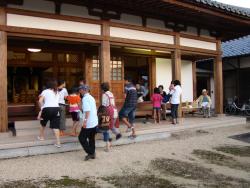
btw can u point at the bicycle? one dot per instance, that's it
(233, 109)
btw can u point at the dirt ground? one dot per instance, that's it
(195, 158)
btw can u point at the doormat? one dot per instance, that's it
(242, 137)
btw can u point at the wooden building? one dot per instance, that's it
(152, 40)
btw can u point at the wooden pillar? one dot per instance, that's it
(105, 74)
(194, 80)
(3, 75)
(152, 73)
(218, 81)
(176, 65)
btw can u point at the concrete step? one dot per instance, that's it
(29, 145)
(29, 129)
(73, 145)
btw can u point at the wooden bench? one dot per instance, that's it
(144, 109)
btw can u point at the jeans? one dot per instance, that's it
(206, 111)
(106, 135)
(174, 111)
(87, 140)
(128, 112)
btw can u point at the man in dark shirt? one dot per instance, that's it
(127, 113)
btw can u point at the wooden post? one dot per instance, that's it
(194, 80)
(3, 75)
(105, 75)
(176, 66)
(218, 81)
(152, 72)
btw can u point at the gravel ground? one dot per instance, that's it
(136, 159)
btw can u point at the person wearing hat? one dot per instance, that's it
(205, 103)
(90, 122)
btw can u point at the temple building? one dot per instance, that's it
(154, 41)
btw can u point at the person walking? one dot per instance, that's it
(108, 101)
(74, 101)
(127, 113)
(63, 93)
(90, 122)
(156, 99)
(176, 91)
(49, 103)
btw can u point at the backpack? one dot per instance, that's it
(103, 118)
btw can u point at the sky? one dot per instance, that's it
(240, 3)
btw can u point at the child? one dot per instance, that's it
(104, 125)
(74, 103)
(156, 99)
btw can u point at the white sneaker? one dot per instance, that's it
(128, 130)
(58, 145)
(40, 138)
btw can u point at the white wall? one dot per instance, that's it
(163, 72)
(141, 35)
(164, 76)
(52, 24)
(36, 5)
(197, 43)
(187, 81)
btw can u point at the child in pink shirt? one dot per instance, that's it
(156, 99)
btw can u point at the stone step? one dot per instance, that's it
(31, 130)
(31, 146)
(73, 145)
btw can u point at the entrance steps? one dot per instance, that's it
(26, 143)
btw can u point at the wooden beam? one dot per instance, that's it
(218, 81)
(105, 54)
(3, 75)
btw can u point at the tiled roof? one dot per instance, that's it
(230, 8)
(237, 47)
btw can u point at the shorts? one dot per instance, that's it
(51, 114)
(75, 116)
(157, 108)
(128, 112)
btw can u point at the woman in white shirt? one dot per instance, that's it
(108, 101)
(176, 91)
(49, 103)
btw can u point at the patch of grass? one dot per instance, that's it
(139, 181)
(193, 171)
(50, 183)
(220, 159)
(242, 151)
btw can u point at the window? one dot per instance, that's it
(95, 68)
(116, 68)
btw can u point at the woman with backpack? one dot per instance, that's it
(108, 101)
